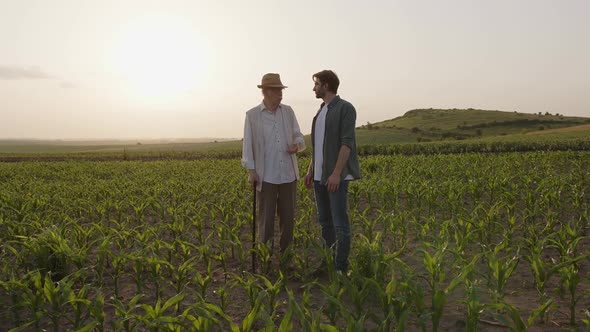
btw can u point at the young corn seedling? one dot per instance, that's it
(223, 292)
(543, 271)
(303, 313)
(17, 290)
(138, 260)
(206, 252)
(139, 208)
(223, 262)
(272, 291)
(96, 311)
(204, 317)
(156, 269)
(334, 307)
(473, 304)
(119, 262)
(463, 233)
(80, 305)
(516, 322)
(57, 296)
(127, 318)
(102, 259)
(197, 222)
(202, 282)
(263, 253)
(157, 317)
(371, 260)
(184, 249)
(359, 290)
(34, 298)
(436, 276)
(49, 252)
(502, 269)
(566, 242)
(181, 275)
(257, 310)
(569, 282)
(398, 298)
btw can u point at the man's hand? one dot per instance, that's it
(308, 180)
(253, 178)
(333, 183)
(293, 148)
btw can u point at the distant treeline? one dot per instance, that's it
(518, 122)
(445, 147)
(473, 147)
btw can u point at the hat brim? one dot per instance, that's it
(271, 86)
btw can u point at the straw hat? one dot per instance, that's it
(271, 80)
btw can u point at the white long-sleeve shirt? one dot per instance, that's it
(277, 161)
(267, 137)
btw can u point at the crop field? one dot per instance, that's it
(457, 242)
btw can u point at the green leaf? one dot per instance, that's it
(328, 328)
(88, 327)
(540, 310)
(172, 301)
(287, 321)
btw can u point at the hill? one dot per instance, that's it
(442, 124)
(421, 125)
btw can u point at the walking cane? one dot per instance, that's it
(254, 229)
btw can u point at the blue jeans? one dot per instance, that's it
(334, 221)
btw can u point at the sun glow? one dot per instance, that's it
(160, 58)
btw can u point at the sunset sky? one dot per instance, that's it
(89, 69)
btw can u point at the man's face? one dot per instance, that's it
(273, 95)
(319, 88)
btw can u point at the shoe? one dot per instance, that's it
(343, 274)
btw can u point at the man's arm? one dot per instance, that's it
(346, 142)
(333, 181)
(248, 154)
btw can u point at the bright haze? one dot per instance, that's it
(72, 69)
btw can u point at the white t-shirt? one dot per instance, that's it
(318, 151)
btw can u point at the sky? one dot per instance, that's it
(99, 69)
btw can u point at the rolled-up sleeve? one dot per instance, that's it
(347, 126)
(247, 150)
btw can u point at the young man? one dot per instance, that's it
(334, 163)
(271, 139)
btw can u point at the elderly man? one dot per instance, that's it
(271, 139)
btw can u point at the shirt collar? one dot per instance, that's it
(333, 102)
(262, 107)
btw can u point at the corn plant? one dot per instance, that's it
(126, 312)
(161, 228)
(156, 317)
(569, 281)
(334, 307)
(473, 304)
(308, 319)
(436, 276)
(501, 268)
(96, 311)
(516, 322)
(203, 281)
(204, 317)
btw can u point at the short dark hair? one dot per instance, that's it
(328, 77)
